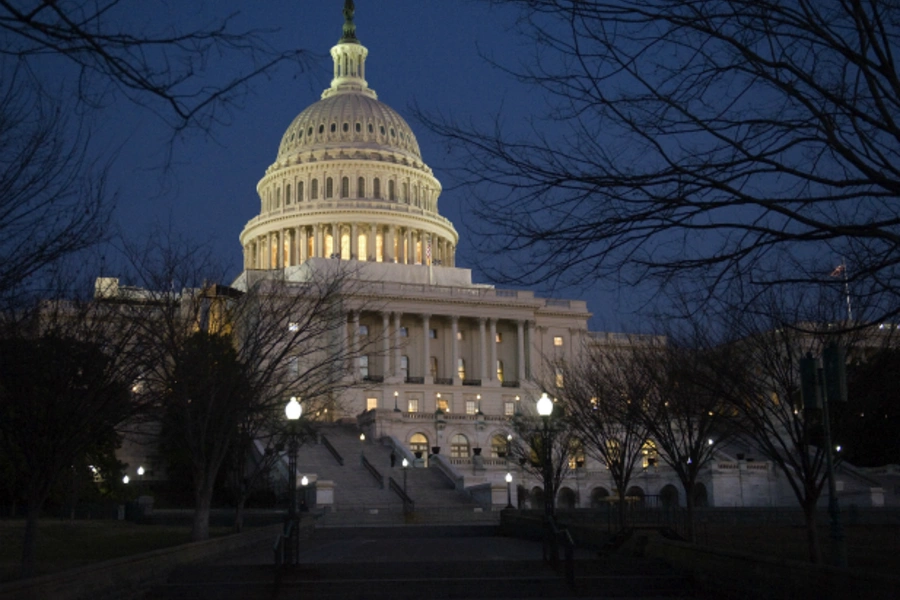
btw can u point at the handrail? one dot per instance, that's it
(379, 478)
(333, 450)
(408, 504)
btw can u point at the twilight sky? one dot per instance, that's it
(424, 52)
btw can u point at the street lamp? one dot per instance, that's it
(405, 468)
(292, 411)
(396, 408)
(509, 490)
(545, 409)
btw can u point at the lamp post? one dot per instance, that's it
(292, 411)
(405, 469)
(509, 490)
(545, 409)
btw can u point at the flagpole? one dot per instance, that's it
(842, 270)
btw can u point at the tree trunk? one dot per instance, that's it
(203, 501)
(239, 513)
(29, 543)
(812, 534)
(689, 516)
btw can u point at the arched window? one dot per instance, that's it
(418, 443)
(361, 187)
(345, 187)
(391, 191)
(300, 191)
(406, 192)
(376, 188)
(278, 198)
(649, 456)
(499, 446)
(314, 190)
(459, 446)
(329, 188)
(333, 127)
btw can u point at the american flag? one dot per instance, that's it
(838, 271)
(428, 251)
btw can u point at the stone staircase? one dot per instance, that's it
(356, 490)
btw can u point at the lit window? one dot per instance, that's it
(500, 371)
(559, 378)
(461, 368)
(509, 408)
(413, 405)
(293, 326)
(371, 403)
(459, 335)
(499, 337)
(363, 330)
(404, 366)
(443, 404)
(433, 366)
(459, 446)
(363, 366)
(557, 340)
(404, 332)
(432, 333)
(418, 443)
(470, 407)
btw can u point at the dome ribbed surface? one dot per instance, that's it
(349, 119)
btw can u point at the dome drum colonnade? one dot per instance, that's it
(349, 182)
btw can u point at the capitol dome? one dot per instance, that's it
(348, 182)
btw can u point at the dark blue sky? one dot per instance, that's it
(426, 52)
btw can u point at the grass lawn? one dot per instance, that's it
(64, 544)
(869, 547)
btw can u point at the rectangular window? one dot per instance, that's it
(509, 408)
(363, 330)
(461, 368)
(500, 371)
(559, 378)
(432, 333)
(413, 405)
(433, 366)
(460, 336)
(557, 341)
(404, 366)
(363, 366)
(499, 337)
(371, 403)
(443, 404)
(470, 407)
(404, 332)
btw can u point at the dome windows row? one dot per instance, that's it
(413, 194)
(389, 133)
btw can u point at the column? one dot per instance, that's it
(317, 241)
(410, 248)
(426, 348)
(371, 243)
(269, 264)
(482, 358)
(386, 344)
(354, 242)
(354, 348)
(397, 345)
(520, 354)
(304, 244)
(387, 246)
(492, 341)
(454, 345)
(529, 364)
(335, 239)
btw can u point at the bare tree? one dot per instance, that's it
(162, 64)
(723, 140)
(66, 370)
(603, 395)
(683, 412)
(221, 362)
(53, 200)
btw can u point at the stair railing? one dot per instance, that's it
(379, 478)
(408, 504)
(333, 450)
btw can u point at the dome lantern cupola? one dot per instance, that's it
(349, 60)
